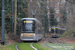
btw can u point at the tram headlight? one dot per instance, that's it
(33, 34)
(21, 34)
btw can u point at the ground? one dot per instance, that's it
(67, 40)
(10, 40)
(43, 40)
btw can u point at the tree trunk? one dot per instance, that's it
(48, 15)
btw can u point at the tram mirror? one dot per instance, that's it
(34, 22)
(24, 22)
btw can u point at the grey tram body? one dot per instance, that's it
(32, 36)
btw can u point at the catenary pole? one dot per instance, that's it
(44, 26)
(3, 22)
(27, 9)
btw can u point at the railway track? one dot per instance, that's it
(31, 44)
(53, 40)
(61, 44)
(17, 47)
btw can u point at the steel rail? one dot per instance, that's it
(33, 46)
(48, 45)
(61, 45)
(17, 47)
(57, 43)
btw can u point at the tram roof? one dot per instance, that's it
(59, 28)
(29, 18)
(32, 19)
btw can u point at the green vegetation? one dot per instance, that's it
(25, 46)
(64, 18)
(69, 33)
(61, 46)
(53, 21)
(6, 36)
(53, 44)
(40, 47)
(67, 44)
(8, 47)
(8, 12)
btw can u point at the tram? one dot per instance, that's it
(31, 29)
(56, 31)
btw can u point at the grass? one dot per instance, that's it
(59, 47)
(12, 47)
(40, 47)
(25, 46)
(67, 44)
(68, 32)
(8, 47)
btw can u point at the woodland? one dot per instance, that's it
(62, 15)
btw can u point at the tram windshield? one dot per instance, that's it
(28, 27)
(53, 30)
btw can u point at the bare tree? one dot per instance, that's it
(48, 13)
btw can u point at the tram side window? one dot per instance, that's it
(38, 28)
(56, 30)
(34, 27)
